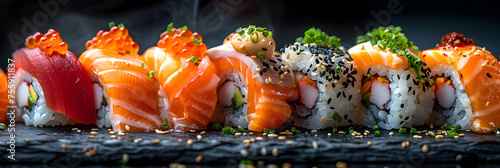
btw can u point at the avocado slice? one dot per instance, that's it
(32, 97)
(237, 99)
(366, 98)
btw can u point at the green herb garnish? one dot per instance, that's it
(464, 55)
(295, 130)
(197, 41)
(452, 133)
(2, 126)
(269, 131)
(241, 129)
(338, 69)
(164, 123)
(351, 130)
(431, 133)
(447, 127)
(392, 38)
(413, 131)
(169, 27)
(375, 127)
(121, 26)
(194, 60)
(496, 130)
(337, 117)
(184, 27)
(111, 24)
(261, 56)
(377, 133)
(216, 126)
(316, 36)
(334, 130)
(368, 75)
(402, 130)
(151, 74)
(228, 130)
(240, 31)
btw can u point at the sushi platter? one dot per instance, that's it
(244, 101)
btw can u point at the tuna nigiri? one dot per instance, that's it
(188, 79)
(52, 87)
(477, 72)
(126, 91)
(255, 86)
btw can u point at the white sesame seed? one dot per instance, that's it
(459, 157)
(289, 142)
(127, 128)
(313, 131)
(425, 148)
(263, 151)
(121, 134)
(190, 142)
(112, 136)
(391, 133)
(198, 158)
(125, 158)
(243, 152)
(155, 141)
(93, 133)
(275, 152)
(315, 145)
(198, 137)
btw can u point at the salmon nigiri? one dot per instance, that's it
(188, 80)
(255, 86)
(477, 70)
(125, 90)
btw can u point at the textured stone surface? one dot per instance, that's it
(45, 147)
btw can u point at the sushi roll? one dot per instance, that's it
(328, 84)
(4, 99)
(188, 78)
(52, 87)
(255, 87)
(467, 78)
(126, 93)
(394, 82)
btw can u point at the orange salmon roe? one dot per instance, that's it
(116, 39)
(50, 42)
(181, 44)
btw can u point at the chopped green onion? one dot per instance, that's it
(256, 37)
(246, 162)
(316, 36)
(375, 127)
(194, 60)
(261, 56)
(151, 74)
(111, 24)
(269, 131)
(265, 33)
(164, 123)
(368, 75)
(260, 29)
(251, 26)
(104, 101)
(270, 33)
(338, 69)
(456, 127)
(127, 52)
(496, 130)
(197, 41)
(241, 129)
(250, 31)
(169, 27)
(337, 117)
(228, 130)
(216, 126)
(295, 130)
(377, 133)
(335, 130)
(452, 133)
(240, 31)
(184, 27)
(2, 126)
(121, 26)
(413, 131)
(366, 98)
(402, 130)
(447, 127)
(142, 65)
(351, 130)
(431, 133)
(464, 55)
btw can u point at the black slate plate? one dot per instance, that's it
(44, 147)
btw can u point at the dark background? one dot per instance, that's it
(423, 22)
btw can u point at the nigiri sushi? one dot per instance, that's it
(327, 82)
(188, 78)
(395, 85)
(255, 87)
(4, 99)
(126, 93)
(467, 81)
(52, 87)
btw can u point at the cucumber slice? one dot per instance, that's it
(237, 99)
(32, 97)
(366, 98)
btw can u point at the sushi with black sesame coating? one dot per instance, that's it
(328, 83)
(395, 86)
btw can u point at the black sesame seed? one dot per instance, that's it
(402, 105)
(407, 118)
(401, 123)
(329, 100)
(350, 97)
(265, 49)
(345, 117)
(314, 69)
(343, 94)
(398, 77)
(338, 94)
(408, 77)
(489, 75)
(350, 121)
(409, 89)
(273, 61)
